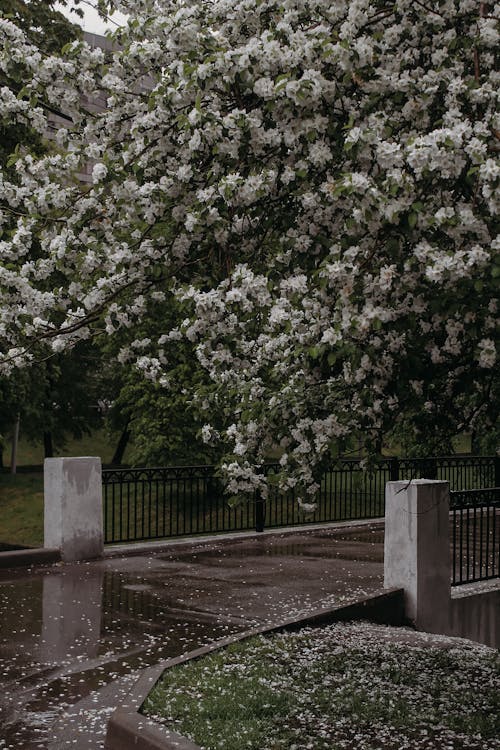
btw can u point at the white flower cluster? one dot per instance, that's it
(316, 183)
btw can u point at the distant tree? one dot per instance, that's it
(162, 422)
(55, 400)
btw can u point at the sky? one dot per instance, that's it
(92, 22)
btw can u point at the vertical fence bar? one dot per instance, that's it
(487, 556)
(164, 504)
(202, 494)
(329, 476)
(466, 520)
(140, 484)
(149, 498)
(461, 558)
(120, 513)
(474, 541)
(483, 541)
(341, 495)
(190, 503)
(495, 569)
(454, 551)
(105, 515)
(260, 512)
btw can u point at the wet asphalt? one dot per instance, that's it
(73, 637)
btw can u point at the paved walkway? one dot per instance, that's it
(73, 637)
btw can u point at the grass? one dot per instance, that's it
(99, 443)
(346, 686)
(21, 509)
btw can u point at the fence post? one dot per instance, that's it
(73, 520)
(430, 468)
(260, 512)
(417, 552)
(394, 469)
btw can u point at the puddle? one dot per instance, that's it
(349, 545)
(69, 630)
(66, 633)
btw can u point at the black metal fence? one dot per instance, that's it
(475, 535)
(157, 503)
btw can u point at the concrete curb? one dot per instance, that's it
(130, 730)
(163, 545)
(28, 557)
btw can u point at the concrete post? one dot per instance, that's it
(73, 507)
(417, 550)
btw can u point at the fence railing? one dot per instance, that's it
(156, 503)
(475, 535)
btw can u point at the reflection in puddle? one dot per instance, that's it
(344, 545)
(71, 617)
(66, 633)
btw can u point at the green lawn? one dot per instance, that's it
(21, 509)
(99, 443)
(349, 685)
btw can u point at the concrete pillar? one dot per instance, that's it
(73, 507)
(417, 550)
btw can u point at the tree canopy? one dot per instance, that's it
(313, 186)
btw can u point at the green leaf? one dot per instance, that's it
(412, 219)
(350, 123)
(332, 358)
(12, 159)
(314, 352)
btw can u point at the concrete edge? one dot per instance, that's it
(464, 590)
(129, 730)
(29, 557)
(160, 545)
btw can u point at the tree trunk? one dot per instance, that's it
(121, 446)
(475, 447)
(15, 440)
(48, 447)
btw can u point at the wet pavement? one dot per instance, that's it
(74, 636)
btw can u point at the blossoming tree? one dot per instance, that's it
(314, 183)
